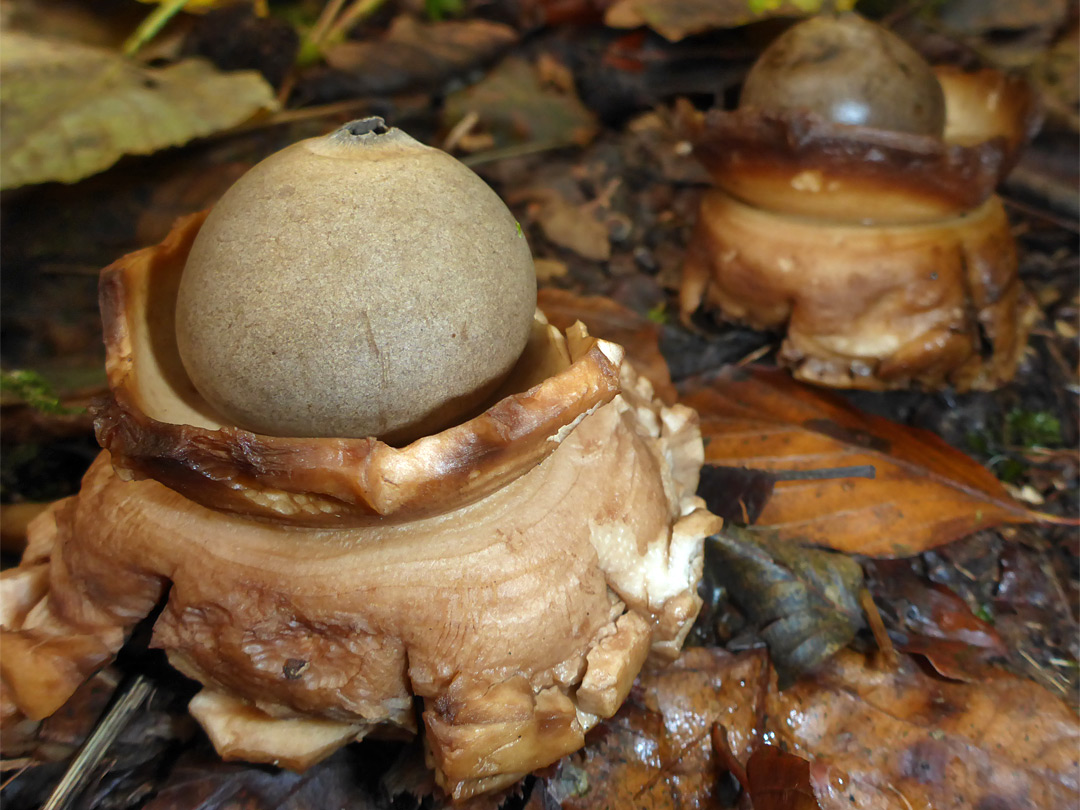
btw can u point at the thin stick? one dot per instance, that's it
(103, 736)
(516, 150)
(826, 473)
(877, 627)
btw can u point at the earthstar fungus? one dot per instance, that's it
(513, 570)
(880, 249)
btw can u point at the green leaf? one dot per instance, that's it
(70, 111)
(804, 601)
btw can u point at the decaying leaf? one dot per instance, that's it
(611, 321)
(574, 226)
(804, 601)
(929, 619)
(1005, 743)
(874, 739)
(70, 110)
(779, 780)
(514, 106)
(925, 493)
(414, 54)
(735, 493)
(677, 19)
(656, 753)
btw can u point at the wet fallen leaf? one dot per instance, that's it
(930, 620)
(804, 601)
(611, 321)
(875, 739)
(779, 780)
(70, 110)
(934, 743)
(656, 753)
(677, 19)
(414, 54)
(515, 107)
(925, 492)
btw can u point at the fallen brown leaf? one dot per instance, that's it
(574, 226)
(937, 744)
(779, 780)
(415, 54)
(736, 494)
(874, 739)
(925, 493)
(611, 321)
(515, 107)
(931, 620)
(656, 753)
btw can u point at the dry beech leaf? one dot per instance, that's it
(779, 780)
(70, 110)
(875, 739)
(925, 493)
(677, 19)
(514, 106)
(609, 320)
(804, 601)
(416, 54)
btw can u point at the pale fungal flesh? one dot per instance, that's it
(520, 613)
(873, 308)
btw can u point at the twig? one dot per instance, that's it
(877, 627)
(517, 150)
(103, 736)
(1035, 211)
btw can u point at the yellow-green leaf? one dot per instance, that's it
(68, 111)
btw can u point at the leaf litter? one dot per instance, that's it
(873, 738)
